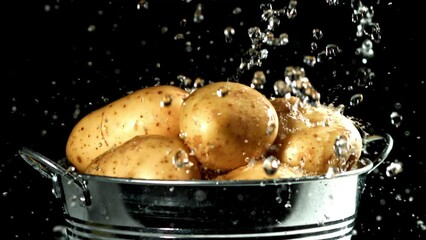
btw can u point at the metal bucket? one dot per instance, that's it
(115, 208)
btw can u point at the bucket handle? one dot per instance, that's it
(387, 138)
(51, 169)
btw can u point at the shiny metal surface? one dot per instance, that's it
(114, 208)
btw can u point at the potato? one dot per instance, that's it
(256, 171)
(147, 157)
(227, 124)
(308, 136)
(152, 110)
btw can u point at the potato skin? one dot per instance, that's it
(146, 157)
(256, 171)
(226, 124)
(139, 113)
(307, 137)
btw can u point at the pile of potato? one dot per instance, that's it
(221, 131)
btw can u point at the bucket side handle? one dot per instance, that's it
(388, 141)
(50, 169)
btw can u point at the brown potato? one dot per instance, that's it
(226, 124)
(152, 110)
(308, 134)
(256, 171)
(147, 157)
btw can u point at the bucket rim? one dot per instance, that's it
(363, 168)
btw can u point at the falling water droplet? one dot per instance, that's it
(91, 28)
(309, 60)
(317, 33)
(229, 32)
(393, 169)
(258, 80)
(198, 14)
(356, 99)
(364, 77)
(287, 204)
(396, 119)
(142, 4)
(291, 9)
(332, 50)
(281, 88)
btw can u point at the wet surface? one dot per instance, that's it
(63, 59)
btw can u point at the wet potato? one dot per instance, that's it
(226, 124)
(152, 110)
(316, 138)
(147, 157)
(225, 129)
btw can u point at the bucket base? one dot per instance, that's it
(342, 230)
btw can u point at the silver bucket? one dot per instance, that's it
(318, 207)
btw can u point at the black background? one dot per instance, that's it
(55, 71)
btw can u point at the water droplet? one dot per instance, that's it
(421, 225)
(199, 82)
(364, 77)
(71, 169)
(198, 14)
(332, 2)
(309, 60)
(283, 39)
(291, 9)
(142, 4)
(341, 148)
(332, 50)
(317, 33)
(281, 88)
(222, 91)
(270, 128)
(287, 204)
(179, 36)
(398, 105)
(181, 159)
(356, 99)
(396, 119)
(271, 165)
(331, 172)
(91, 28)
(166, 101)
(236, 11)
(258, 80)
(314, 46)
(182, 135)
(393, 169)
(229, 32)
(366, 49)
